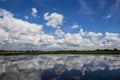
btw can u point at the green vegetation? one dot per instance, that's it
(37, 52)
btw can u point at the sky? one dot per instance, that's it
(59, 24)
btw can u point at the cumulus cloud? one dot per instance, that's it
(5, 13)
(18, 34)
(111, 37)
(17, 31)
(59, 33)
(93, 34)
(34, 12)
(82, 33)
(73, 39)
(111, 40)
(54, 19)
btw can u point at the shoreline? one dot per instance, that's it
(7, 53)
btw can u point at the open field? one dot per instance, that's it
(58, 52)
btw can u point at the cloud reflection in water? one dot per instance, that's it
(32, 67)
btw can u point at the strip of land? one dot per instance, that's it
(38, 52)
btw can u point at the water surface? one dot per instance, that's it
(60, 67)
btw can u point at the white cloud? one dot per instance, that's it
(107, 17)
(73, 39)
(82, 33)
(54, 19)
(5, 13)
(3, 38)
(26, 17)
(75, 26)
(59, 33)
(111, 40)
(93, 34)
(19, 34)
(111, 34)
(34, 12)
(112, 37)
(17, 31)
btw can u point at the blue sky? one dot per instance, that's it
(97, 19)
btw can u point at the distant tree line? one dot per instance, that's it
(115, 49)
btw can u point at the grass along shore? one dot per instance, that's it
(37, 52)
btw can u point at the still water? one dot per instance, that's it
(60, 67)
